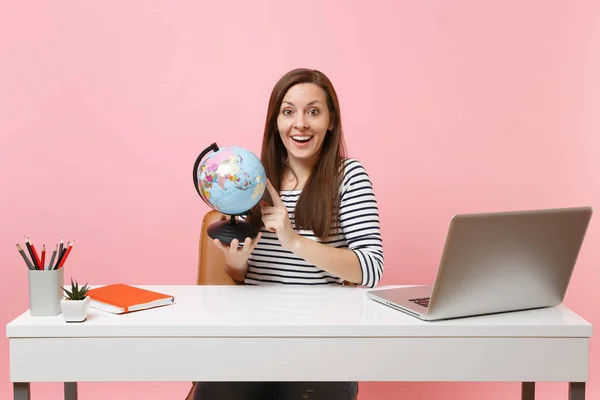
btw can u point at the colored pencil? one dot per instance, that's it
(51, 265)
(28, 245)
(29, 264)
(61, 254)
(37, 259)
(68, 250)
(43, 260)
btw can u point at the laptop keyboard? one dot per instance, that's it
(422, 301)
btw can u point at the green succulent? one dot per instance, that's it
(76, 293)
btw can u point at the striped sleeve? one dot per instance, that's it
(359, 221)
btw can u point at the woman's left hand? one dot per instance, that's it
(276, 219)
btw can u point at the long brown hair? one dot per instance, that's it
(318, 204)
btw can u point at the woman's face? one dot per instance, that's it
(303, 121)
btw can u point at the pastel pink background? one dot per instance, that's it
(461, 106)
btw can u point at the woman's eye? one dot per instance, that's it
(313, 111)
(286, 112)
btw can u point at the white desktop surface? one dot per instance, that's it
(292, 311)
(233, 333)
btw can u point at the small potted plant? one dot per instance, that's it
(76, 303)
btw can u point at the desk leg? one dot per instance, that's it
(21, 391)
(576, 390)
(527, 390)
(70, 390)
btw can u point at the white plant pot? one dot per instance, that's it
(75, 310)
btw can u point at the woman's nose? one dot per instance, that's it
(301, 122)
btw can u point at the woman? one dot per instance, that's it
(319, 223)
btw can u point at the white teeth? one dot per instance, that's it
(301, 138)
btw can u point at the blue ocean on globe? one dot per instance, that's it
(231, 180)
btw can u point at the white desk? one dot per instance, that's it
(245, 333)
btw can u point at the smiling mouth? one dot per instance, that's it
(301, 138)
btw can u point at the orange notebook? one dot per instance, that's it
(120, 298)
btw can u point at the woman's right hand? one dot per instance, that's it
(236, 257)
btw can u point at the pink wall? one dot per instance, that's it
(453, 107)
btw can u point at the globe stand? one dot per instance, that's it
(227, 230)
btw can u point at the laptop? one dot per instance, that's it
(497, 262)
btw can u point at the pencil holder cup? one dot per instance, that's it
(45, 291)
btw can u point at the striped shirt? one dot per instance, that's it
(358, 231)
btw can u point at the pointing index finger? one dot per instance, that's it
(274, 195)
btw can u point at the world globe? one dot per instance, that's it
(230, 180)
